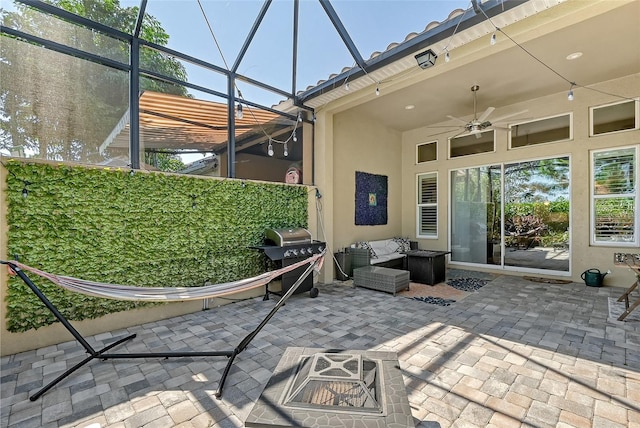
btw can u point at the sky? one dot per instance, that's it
(372, 25)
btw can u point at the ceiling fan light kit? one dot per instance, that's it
(480, 123)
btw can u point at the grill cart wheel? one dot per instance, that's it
(314, 292)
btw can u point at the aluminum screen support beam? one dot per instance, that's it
(252, 33)
(344, 34)
(134, 91)
(134, 105)
(294, 59)
(231, 132)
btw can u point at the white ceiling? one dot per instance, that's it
(607, 32)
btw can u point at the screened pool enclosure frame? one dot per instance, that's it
(296, 113)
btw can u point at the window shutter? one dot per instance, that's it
(428, 205)
(614, 172)
(614, 196)
(428, 190)
(428, 220)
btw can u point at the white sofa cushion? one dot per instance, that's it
(382, 250)
(386, 258)
(384, 247)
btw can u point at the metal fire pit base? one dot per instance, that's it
(269, 410)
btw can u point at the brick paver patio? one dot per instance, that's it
(514, 353)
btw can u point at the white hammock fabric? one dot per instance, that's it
(167, 294)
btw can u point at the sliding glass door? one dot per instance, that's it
(475, 215)
(515, 215)
(536, 214)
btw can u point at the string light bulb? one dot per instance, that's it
(446, 57)
(270, 148)
(286, 150)
(493, 39)
(570, 93)
(346, 86)
(295, 139)
(239, 112)
(377, 89)
(299, 116)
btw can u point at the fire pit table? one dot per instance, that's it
(314, 387)
(427, 267)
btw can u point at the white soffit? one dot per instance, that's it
(408, 63)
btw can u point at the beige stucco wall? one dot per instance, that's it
(362, 144)
(351, 142)
(346, 142)
(584, 256)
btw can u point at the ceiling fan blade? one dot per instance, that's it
(443, 126)
(486, 114)
(457, 119)
(459, 134)
(498, 119)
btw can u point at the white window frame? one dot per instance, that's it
(636, 122)
(418, 151)
(635, 194)
(452, 139)
(420, 205)
(512, 126)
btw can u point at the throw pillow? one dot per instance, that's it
(365, 245)
(404, 244)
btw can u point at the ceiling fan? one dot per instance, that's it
(480, 123)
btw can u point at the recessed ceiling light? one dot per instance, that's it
(574, 55)
(409, 107)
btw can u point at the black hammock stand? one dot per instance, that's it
(104, 355)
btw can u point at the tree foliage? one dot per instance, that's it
(56, 106)
(540, 180)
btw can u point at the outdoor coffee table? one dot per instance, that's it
(425, 266)
(381, 279)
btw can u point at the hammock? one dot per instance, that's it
(158, 294)
(165, 294)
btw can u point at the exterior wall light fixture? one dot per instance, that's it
(426, 59)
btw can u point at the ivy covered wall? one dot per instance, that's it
(133, 228)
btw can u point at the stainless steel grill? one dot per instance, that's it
(290, 243)
(286, 237)
(287, 246)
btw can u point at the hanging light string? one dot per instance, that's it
(570, 82)
(239, 108)
(455, 30)
(346, 79)
(345, 83)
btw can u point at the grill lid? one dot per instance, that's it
(291, 236)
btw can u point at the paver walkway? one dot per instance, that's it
(514, 353)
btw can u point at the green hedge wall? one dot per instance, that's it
(143, 229)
